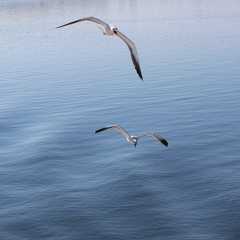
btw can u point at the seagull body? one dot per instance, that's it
(133, 139)
(111, 30)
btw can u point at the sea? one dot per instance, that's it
(59, 180)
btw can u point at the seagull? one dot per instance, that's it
(111, 30)
(133, 139)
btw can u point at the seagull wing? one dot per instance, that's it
(91, 19)
(159, 138)
(133, 52)
(120, 129)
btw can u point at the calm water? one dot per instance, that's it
(60, 181)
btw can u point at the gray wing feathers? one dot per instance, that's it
(133, 52)
(91, 19)
(119, 128)
(159, 138)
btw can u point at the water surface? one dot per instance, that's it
(60, 181)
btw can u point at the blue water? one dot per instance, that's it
(58, 180)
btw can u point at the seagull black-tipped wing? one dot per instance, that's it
(159, 138)
(119, 128)
(133, 52)
(91, 19)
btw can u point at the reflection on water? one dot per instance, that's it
(59, 180)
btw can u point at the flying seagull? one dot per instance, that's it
(110, 30)
(133, 139)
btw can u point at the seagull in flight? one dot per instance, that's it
(111, 30)
(133, 139)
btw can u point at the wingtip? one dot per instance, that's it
(61, 26)
(139, 74)
(165, 143)
(99, 130)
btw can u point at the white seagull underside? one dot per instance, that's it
(133, 139)
(106, 29)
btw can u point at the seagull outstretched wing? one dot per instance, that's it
(159, 138)
(119, 128)
(132, 50)
(91, 19)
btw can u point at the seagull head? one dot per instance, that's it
(114, 29)
(134, 141)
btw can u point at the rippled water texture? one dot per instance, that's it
(58, 180)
